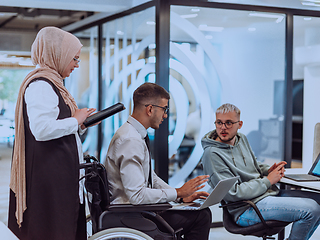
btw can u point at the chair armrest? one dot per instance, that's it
(254, 206)
(177, 233)
(142, 207)
(246, 202)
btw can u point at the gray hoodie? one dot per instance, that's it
(221, 160)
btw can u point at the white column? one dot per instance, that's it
(309, 57)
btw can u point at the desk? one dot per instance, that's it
(5, 232)
(312, 185)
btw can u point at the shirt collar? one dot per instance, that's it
(138, 126)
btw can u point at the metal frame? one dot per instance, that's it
(100, 62)
(162, 78)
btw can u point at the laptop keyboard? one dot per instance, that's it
(190, 208)
(302, 177)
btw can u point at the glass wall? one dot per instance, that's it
(216, 56)
(306, 76)
(224, 56)
(83, 84)
(10, 81)
(128, 61)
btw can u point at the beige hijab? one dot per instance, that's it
(52, 50)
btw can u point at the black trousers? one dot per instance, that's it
(195, 223)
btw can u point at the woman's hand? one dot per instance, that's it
(82, 114)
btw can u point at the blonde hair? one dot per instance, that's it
(228, 107)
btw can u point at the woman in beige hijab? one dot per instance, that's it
(46, 199)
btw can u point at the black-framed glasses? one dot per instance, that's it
(227, 124)
(77, 60)
(165, 109)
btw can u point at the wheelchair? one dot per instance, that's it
(121, 221)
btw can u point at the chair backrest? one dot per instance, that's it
(316, 141)
(97, 189)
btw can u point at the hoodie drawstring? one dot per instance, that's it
(244, 159)
(232, 156)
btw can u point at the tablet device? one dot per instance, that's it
(103, 114)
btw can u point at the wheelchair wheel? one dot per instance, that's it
(120, 234)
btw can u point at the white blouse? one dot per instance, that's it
(42, 110)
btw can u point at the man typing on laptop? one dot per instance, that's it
(227, 153)
(131, 178)
(217, 194)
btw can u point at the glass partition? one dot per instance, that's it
(83, 84)
(224, 56)
(128, 61)
(306, 82)
(10, 81)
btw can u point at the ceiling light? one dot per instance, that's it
(252, 29)
(307, 18)
(7, 14)
(266, 15)
(207, 28)
(195, 10)
(151, 23)
(25, 62)
(152, 46)
(189, 15)
(308, 3)
(120, 32)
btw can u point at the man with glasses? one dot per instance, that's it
(130, 175)
(227, 153)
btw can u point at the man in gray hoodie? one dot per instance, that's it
(227, 153)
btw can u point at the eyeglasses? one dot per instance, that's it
(77, 60)
(227, 124)
(165, 109)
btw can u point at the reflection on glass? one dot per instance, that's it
(83, 84)
(128, 61)
(306, 73)
(220, 56)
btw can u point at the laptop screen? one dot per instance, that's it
(315, 170)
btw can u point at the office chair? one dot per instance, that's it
(265, 229)
(316, 141)
(131, 220)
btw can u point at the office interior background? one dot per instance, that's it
(261, 55)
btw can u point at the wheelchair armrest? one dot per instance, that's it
(142, 207)
(246, 202)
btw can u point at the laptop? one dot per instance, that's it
(312, 175)
(217, 194)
